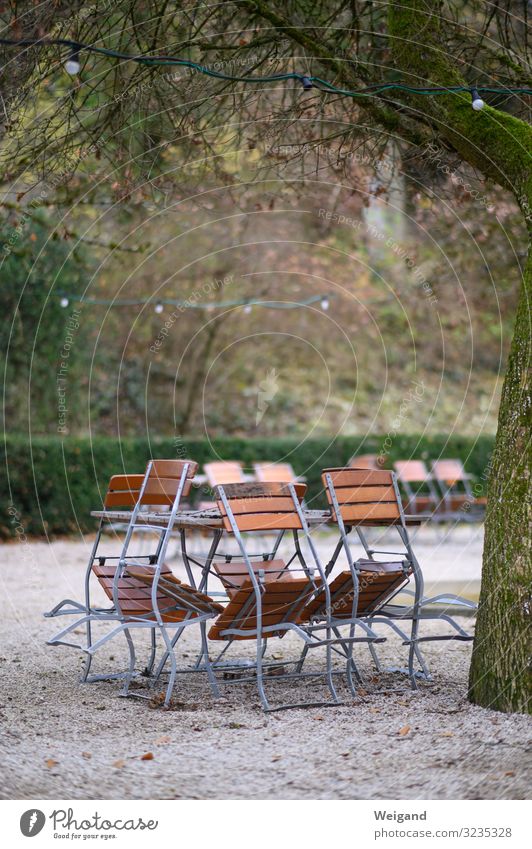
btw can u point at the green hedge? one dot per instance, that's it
(49, 486)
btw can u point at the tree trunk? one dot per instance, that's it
(500, 675)
(501, 147)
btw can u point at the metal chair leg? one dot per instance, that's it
(208, 668)
(149, 666)
(132, 660)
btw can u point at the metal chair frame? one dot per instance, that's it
(124, 622)
(390, 614)
(415, 497)
(458, 488)
(310, 634)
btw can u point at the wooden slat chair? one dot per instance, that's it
(221, 472)
(275, 472)
(266, 599)
(371, 498)
(144, 595)
(377, 583)
(454, 484)
(420, 494)
(365, 461)
(123, 492)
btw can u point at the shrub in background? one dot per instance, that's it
(49, 486)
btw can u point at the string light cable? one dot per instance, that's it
(159, 303)
(73, 65)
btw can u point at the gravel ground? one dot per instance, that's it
(61, 739)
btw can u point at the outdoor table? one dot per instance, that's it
(211, 520)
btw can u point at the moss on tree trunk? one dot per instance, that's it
(501, 674)
(501, 147)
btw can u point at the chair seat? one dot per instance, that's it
(377, 582)
(282, 601)
(175, 600)
(235, 573)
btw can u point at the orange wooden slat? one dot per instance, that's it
(274, 472)
(128, 498)
(371, 512)
(413, 471)
(172, 468)
(265, 522)
(241, 506)
(362, 494)
(357, 477)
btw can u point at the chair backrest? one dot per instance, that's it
(224, 471)
(163, 481)
(274, 472)
(281, 602)
(364, 496)
(411, 471)
(365, 461)
(449, 471)
(260, 506)
(123, 490)
(160, 489)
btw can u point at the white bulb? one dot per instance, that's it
(64, 302)
(325, 304)
(72, 67)
(478, 104)
(159, 308)
(247, 309)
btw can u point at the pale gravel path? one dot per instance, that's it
(229, 748)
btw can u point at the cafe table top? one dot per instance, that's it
(212, 518)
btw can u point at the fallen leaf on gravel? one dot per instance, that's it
(50, 763)
(162, 740)
(86, 755)
(510, 772)
(318, 718)
(362, 692)
(277, 757)
(148, 756)
(374, 710)
(277, 655)
(118, 764)
(345, 754)
(158, 702)
(404, 731)
(447, 734)
(235, 725)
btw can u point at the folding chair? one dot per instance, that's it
(266, 599)
(143, 595)
(123, 492)
(275, 472)
(223, 472)
(420, 493)
(454, 484)
(368, 498)
(365, 461)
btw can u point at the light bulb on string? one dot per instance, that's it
(325, 303)
(64, 302)
(477, 103)
(72, 65)
(159, 308)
